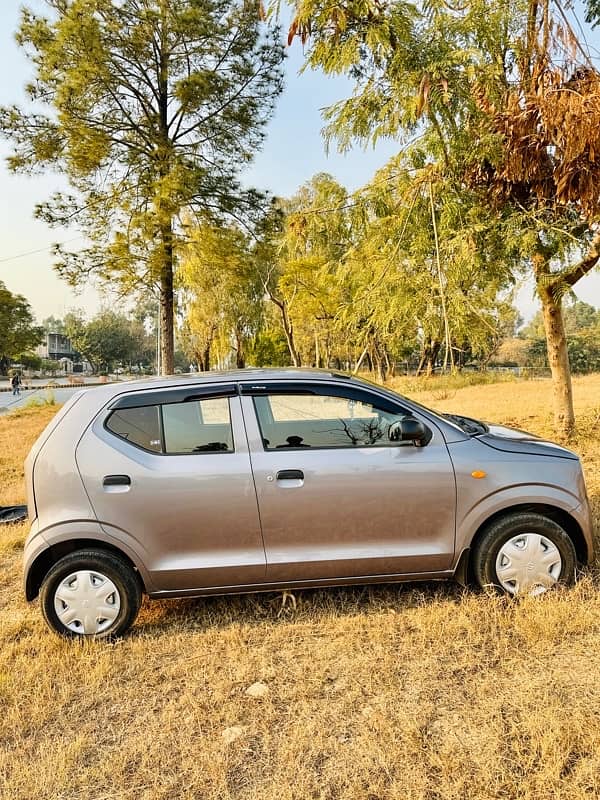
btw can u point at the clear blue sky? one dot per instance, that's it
(293, 152)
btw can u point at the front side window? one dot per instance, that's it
(321, 420)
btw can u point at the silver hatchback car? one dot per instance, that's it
(258, 480)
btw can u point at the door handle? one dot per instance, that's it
(116, 480)
(290, 475)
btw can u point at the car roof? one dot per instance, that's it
(100, 395)
(233, 375)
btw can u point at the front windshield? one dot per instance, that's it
(468, 425)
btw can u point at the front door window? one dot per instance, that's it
(290, 421)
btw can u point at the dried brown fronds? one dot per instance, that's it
(548, 127)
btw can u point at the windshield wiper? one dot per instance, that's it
(469, 425)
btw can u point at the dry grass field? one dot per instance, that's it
(423, 692)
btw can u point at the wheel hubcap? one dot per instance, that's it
(528, 564)
(87, 602)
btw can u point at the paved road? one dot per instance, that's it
(8, 402)
(5, 382)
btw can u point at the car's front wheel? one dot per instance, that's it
(524, 553)
(90, 593)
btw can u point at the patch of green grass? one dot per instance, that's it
(36, 401)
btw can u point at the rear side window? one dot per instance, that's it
(203, 426)
(200, 426)
(140, 426)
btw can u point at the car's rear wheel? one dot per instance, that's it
(524, 553)
(90, 593)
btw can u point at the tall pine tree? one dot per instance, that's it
(150, 108)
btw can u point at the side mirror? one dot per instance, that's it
(409, 429)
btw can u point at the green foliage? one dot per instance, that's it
(108, 339)
(577, 317)
(583, 349)
(496, 107)
(580, 316)
(40, 400)
(48, 365)
(150, 109)
(593, 12)
(18, 332)
(29, 360)
(53, 325)
(222, 295)
(269, 349)
(364, 274)
(305, 283)
(182, 361)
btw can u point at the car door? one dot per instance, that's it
(337, 498)
(169, 472)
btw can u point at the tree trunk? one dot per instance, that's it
(164, 208)
(433, 356)
(205, 359)
(556, 344)
(288, 329)
(390, 364)
(428, 358)
(379, 361)
(327, 356)
(558, 359)
(167, 339)
(240, 358)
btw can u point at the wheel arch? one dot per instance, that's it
(51, 555)
(558, 515)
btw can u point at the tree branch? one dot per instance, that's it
(577, 271)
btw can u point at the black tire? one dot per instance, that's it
(107, 564)
(498, 533)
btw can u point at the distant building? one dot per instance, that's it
(58, 347)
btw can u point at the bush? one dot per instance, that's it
(29, 361)
(583, 348)
(38, 400)
(33, 403)
(269, 349)
(49, 365)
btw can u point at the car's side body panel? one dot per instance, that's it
(306, 584)
(357, 511)
(195, 516)
(509, 480)
(57, 491)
